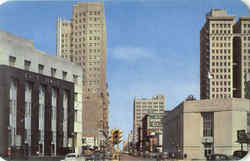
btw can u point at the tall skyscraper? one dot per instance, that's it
(224, 55)
(144, 106)
(241, 57)
(82, 40)
(216, 55)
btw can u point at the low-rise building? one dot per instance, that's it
(41, 100)
(198, 128)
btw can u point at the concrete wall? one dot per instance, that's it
(192, 135)
(230, 115)
(4, 117)
(223, 132)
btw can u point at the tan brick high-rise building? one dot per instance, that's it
(82, 40)
(224, 55)
(241, 55)
(216, 56)
(144, 106)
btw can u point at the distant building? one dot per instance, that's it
(152, 132)
(40, 97)
(144, 106)
(82, 40)
(199, 128)
(224, 55)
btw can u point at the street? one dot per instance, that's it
(125, 157)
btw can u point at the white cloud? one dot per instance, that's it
(3, 1)
(247, 3)
(132, 54)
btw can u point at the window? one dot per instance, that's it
(27, 65)
(40, 68)
(53, 72)
(75, 77)
(12, 61)
(76, 118)
(208, 122)
(75, 97)
(64, 75)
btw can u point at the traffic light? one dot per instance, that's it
(116, 136)
(119, 138)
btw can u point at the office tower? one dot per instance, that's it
(144, 106)
(216, 55)
(83, 41)
(241, 44)
(224, 55)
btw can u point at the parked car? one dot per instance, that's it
(108, 155)
(218, 157)
(164, 155)
(239, 153)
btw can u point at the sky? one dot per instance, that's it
(152, 45)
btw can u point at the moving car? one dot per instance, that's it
(71, 157)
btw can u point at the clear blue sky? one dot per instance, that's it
(152, 45)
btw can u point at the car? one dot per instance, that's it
(218, 157)
(1, 159)
(71, 157)
(164, 155)
(108, 155)
(240, 153)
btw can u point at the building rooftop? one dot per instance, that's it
(219, 14)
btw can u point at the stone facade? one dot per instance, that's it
(201, 127)
(40, 80)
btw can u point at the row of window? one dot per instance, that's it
(83, 39)
(221, 38)
(221, 44)
(222, 25)
(87, 12)
(245, 57)
(221, 63)
(221, 95)
(149, 103)
(246, 31)
(83, 51)
(221, 31)
(225, 70)
(148, 107)
(82, 45)
(221, 57)
(221, 51)
(246, 38)
(221, 83)
(83, 26)
(95, 19)
(94, 69)
(246, 44)
(221, 89)
(27, 64)
(221, 76)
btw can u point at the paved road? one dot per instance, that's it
(125, 157)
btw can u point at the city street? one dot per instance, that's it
(125, 157)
